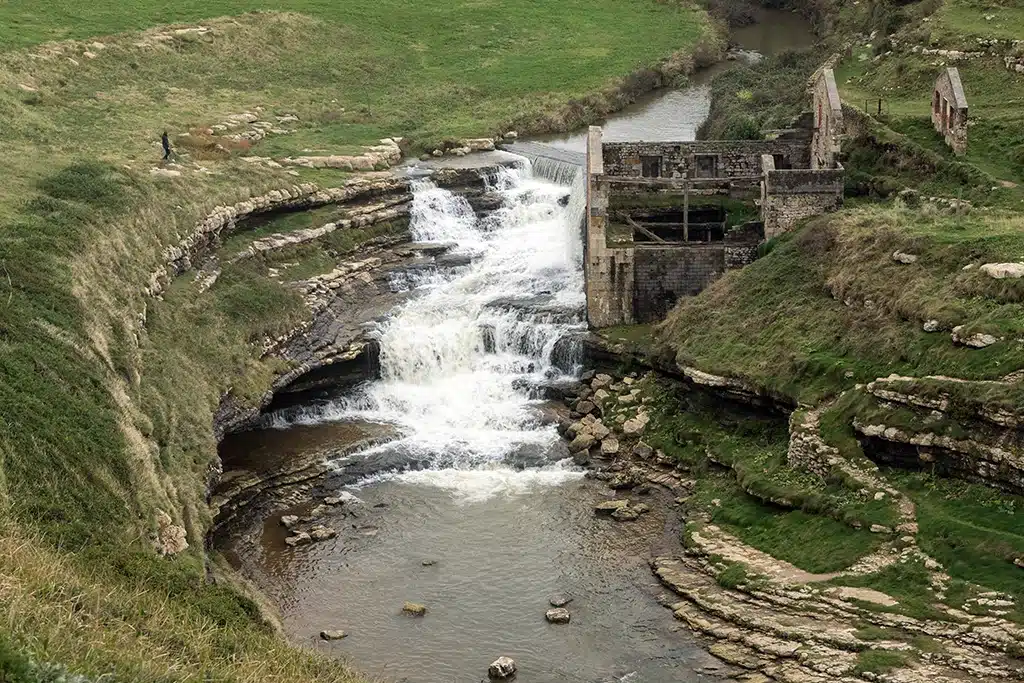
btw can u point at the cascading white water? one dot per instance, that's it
(458, 358)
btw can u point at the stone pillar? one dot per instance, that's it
(608, 272)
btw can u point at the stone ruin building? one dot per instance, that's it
(949, 109)
(665, 219)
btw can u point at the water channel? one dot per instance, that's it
(471, 507)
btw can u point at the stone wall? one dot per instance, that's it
(828, 119)
(664, 274)
(731, 158)
(949, 110)
(608, 272)
(791, 196)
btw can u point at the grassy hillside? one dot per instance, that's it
(829, 307)
(106, 395)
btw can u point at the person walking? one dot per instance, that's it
(166, 142)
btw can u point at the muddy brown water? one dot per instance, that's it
(485, 569)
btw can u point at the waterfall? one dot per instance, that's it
(458, 360)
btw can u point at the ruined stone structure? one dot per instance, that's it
(665, 219)
(949, 109)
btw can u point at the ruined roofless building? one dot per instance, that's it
(949, 109)
(665, 219)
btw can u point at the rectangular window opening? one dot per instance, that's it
(706, 165)
(650, 167)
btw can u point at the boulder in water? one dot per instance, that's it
(333, 635)
(299, 538)
(322, 533)
(559, 615)
(501, 668)
(414, 608)
(559, 600)
(609, 506)
(288, 521)
(626, 514)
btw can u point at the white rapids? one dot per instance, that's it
(458, 358)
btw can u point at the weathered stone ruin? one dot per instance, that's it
(949, 109)
(665, 219)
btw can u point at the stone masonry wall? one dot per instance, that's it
(732, 157)
(609, 272)
(949, 118)
(791, 196)
(664, 274)
(828, 119)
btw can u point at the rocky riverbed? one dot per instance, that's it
(778, 622)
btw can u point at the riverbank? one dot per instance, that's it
(780, 568)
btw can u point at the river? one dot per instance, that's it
(470, 505)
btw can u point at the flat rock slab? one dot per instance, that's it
(865, 594)
(609, 506)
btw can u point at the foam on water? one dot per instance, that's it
(458, 358)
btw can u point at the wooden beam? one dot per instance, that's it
(643, 230)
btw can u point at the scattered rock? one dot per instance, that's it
(610, 446)
(582, 443)
(879, 495)
(428, 563)
(978, 340)
(164, 173)
(633, 426)
(502, 667)
(601, 395)
(601, 382)
(610, 506)
(1000, 271)
(626, 514)
(585, 407)
(333, 635)
(600, 432)
(414, 609)
(903, 257)
(343, 498)
(642, 451)
(931, 326)
(559, 600)
(288, 521)
(879, 529)
(298, 538)
(559, 615)
(322, 533)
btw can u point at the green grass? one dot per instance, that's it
(737, 574)
(907, 582)
(814, 543)
(974, 531)
(881, 661)
(904, 82)
(789, 514)
(809, 344)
